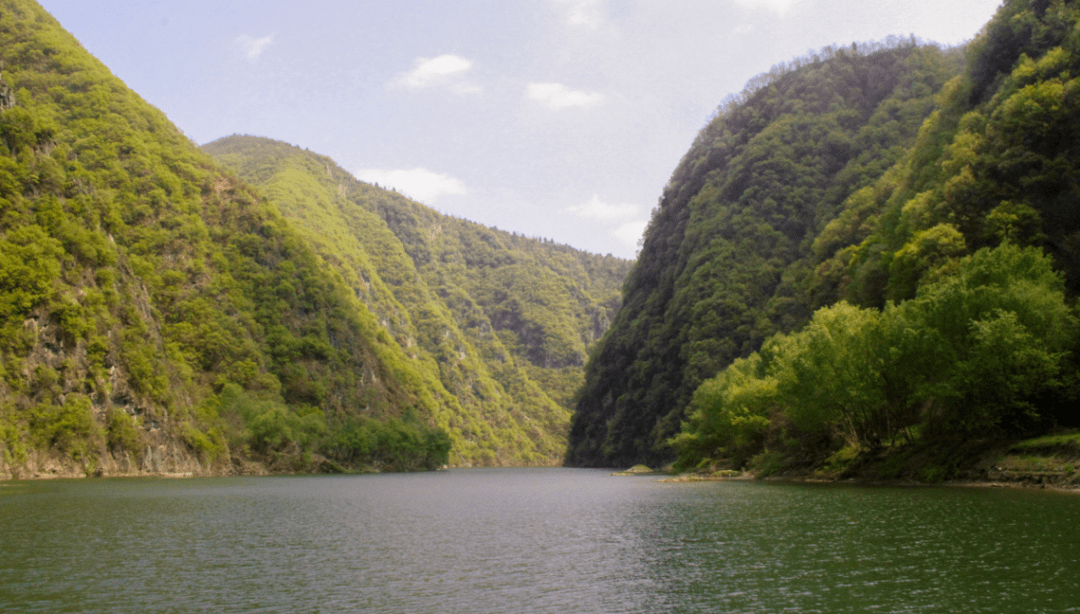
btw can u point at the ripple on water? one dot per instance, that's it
(543, 540)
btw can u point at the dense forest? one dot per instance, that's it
(499, 323)
(868, 254)
(158, 314)
(868, 258)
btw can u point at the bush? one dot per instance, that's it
(122, 432)
(68, 427)
(392, 445)
(210, 446)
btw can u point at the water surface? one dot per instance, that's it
(530, 540)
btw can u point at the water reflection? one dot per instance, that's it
(529, 541)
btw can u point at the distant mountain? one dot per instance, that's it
(874, 222)
(160, 315)
(502, 321)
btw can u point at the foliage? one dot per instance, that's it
(807, 190)
(394, 445)
(779, 181)
(974, 354)
(140, 278)
(730, 412)
(497, 324)
(70, 428)
(998, 159)
(122, 432)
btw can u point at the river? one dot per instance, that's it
(531, 540)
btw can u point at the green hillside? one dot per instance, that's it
(155, 314)
(159, 315)
(727, 257)
(501, 321)
(888, 294)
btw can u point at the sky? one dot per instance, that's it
(560, 119)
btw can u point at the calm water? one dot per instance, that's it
(543, 540)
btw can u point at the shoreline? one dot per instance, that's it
(747, 476)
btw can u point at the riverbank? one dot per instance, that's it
(1049, 462)
(1016, 480)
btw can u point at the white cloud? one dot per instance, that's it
(583, 12)
(417, 183)
(557, 96)
(253, 47)
(444, 70)
(597, 209)
(780, 7)
(630, 232)
(621, 215)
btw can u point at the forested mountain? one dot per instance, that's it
(897, 203)
(158, 314)
(503, 322)
(728, 255)
(155, 314)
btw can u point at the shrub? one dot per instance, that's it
(122, 432)
(68, 427)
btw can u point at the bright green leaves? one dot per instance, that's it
(29, 264)
(832, 373)
(1015, 223)
(68, 427)
(997, 334)
(927, 254)
(974, 353)
(751, 236)
(21, 130)
(999, 163)
(729, 413)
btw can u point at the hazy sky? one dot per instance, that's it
(553, 118)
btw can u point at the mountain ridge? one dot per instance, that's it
(786, 310)
(160, 316)
(476, 285)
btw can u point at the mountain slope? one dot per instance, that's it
(926, 311)
(500, 320)
(155, 314)
(998, 159)
(729, 255)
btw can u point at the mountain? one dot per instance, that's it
(502, 321)
(160, 315)
(156, 314)
(728, 256)
(868, 255)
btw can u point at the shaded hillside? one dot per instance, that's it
(958, 267)
(155, 314)
(729, 255)
(503, 322)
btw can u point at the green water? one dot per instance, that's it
(541, 540)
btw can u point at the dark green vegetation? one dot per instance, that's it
(498, 324)
(159, 314)
(866, 259)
